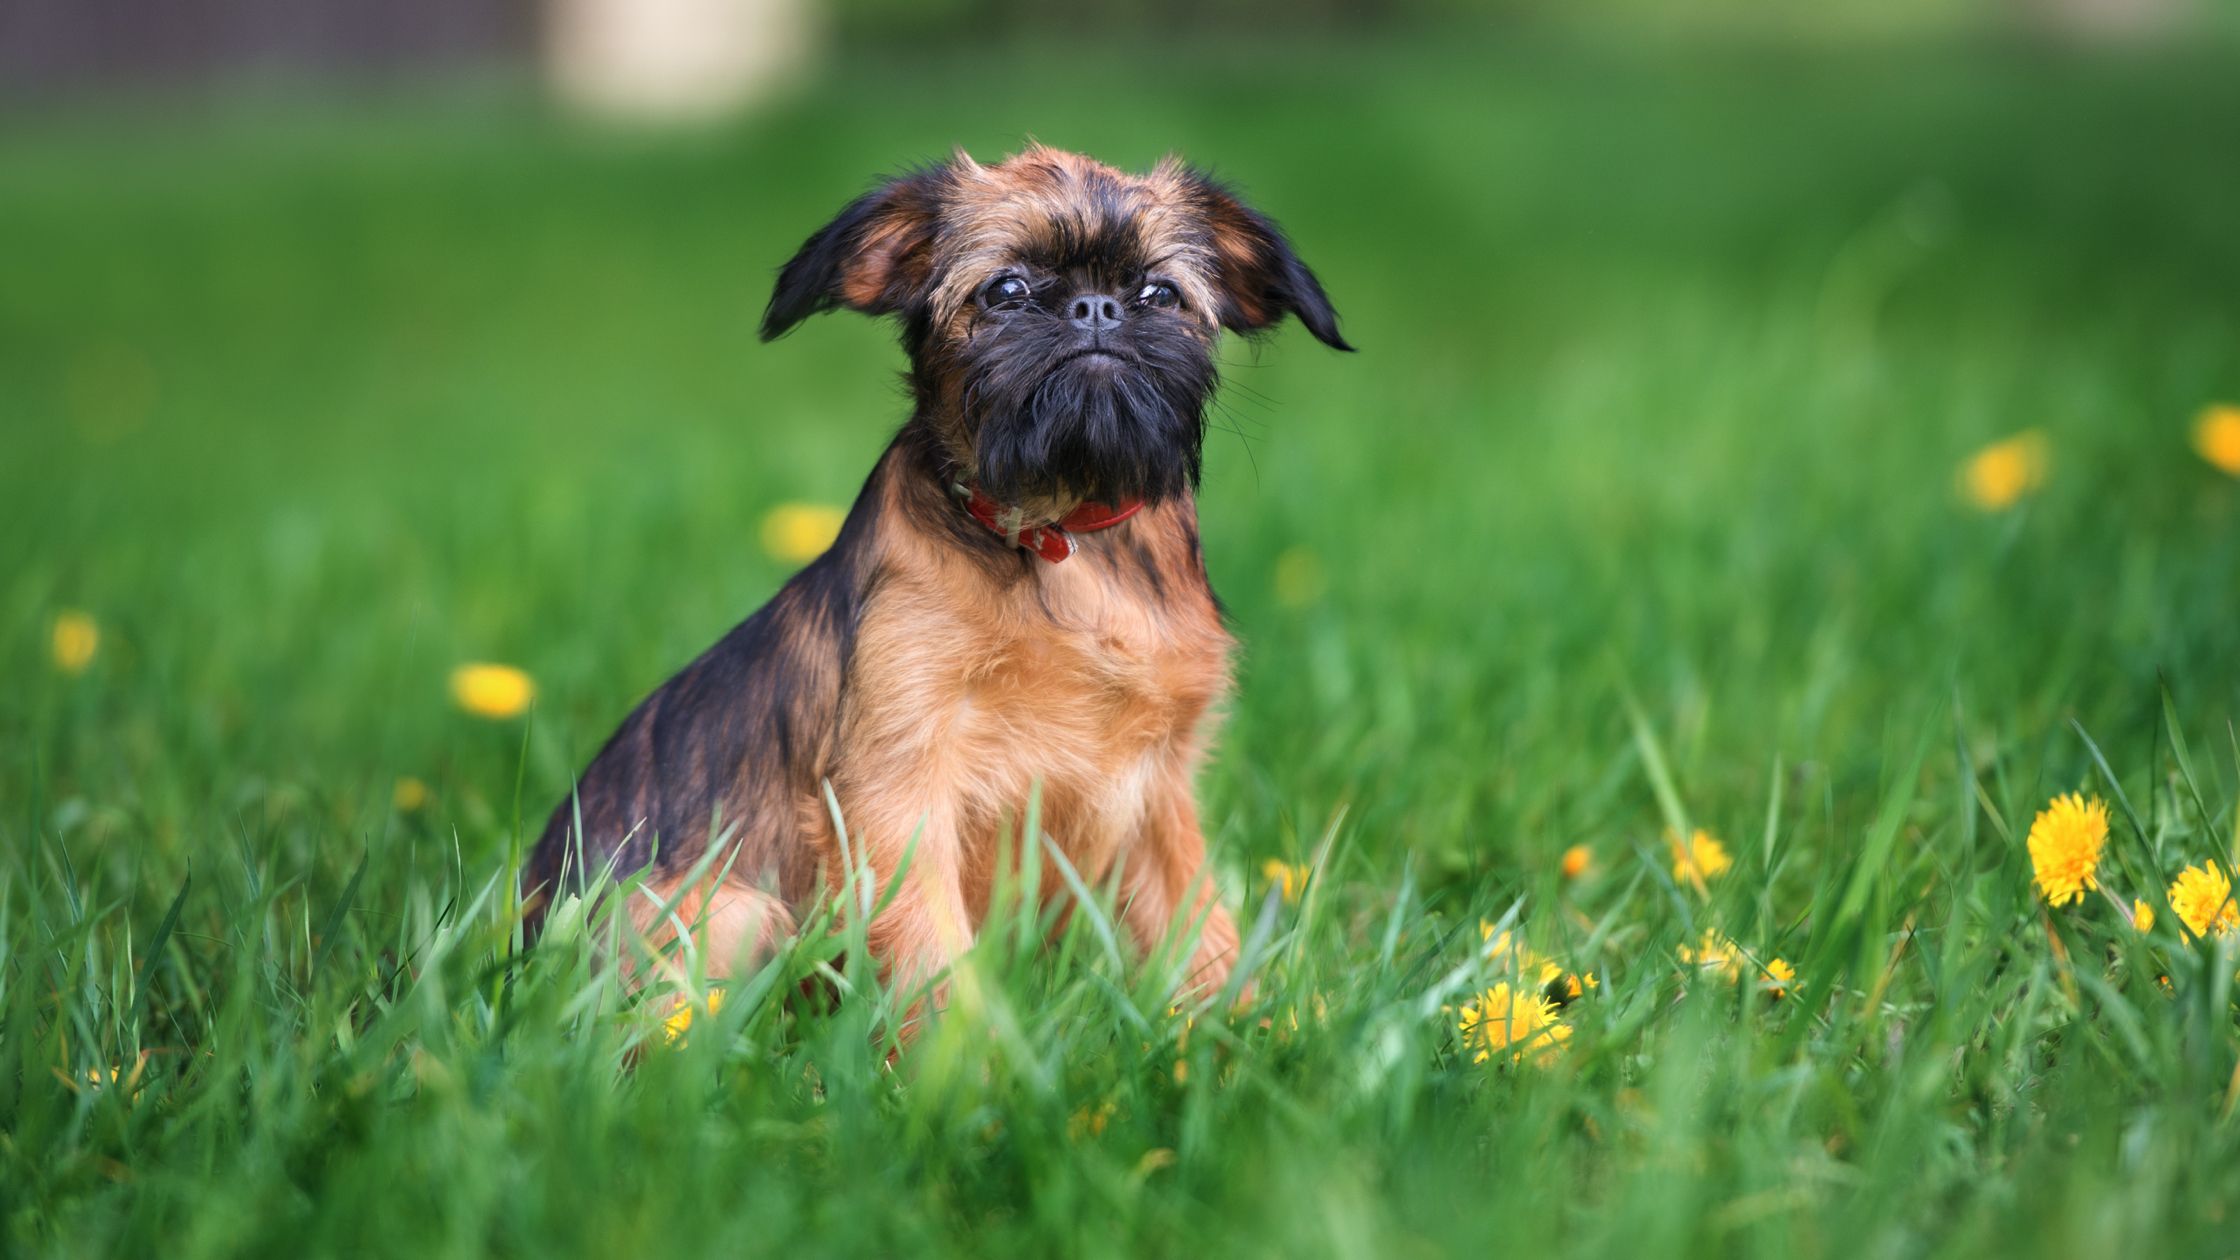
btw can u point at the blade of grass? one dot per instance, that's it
(156, 945)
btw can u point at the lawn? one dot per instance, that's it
(1640, 511)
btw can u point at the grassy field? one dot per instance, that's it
(1637, 513)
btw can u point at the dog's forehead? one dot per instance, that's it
(1063, 211)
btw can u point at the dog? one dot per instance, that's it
(1016, 598)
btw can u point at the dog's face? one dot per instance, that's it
(1061, 316)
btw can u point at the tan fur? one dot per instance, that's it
(967, 691)
(1008, 206)
(725, 919)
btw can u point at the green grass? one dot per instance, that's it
(1638, 503)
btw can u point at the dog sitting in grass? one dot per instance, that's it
(1018, 596)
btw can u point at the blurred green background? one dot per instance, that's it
(1678, 324)
(1671, 348)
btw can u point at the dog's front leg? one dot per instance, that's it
(1170, 889)
(923, 929)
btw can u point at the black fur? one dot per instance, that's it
(1130, 426)
(1271, 281)
(759, 708)
(813, 280)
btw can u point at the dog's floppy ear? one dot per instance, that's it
(875, 258)
(1259, 278)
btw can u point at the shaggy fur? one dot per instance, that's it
(1060, 318)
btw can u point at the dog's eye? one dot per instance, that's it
(1005, 290)
(1158, 293)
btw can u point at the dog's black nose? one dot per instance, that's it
(1094, 312)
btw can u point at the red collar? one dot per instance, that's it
(1053, 542)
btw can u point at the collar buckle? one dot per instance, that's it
(1052, 541)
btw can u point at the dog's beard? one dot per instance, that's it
(1052, 427)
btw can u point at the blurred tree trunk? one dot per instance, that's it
(671, 60)
(2100, 21)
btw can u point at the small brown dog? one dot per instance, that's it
(1017, 597)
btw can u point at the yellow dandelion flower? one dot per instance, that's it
(1518, 1022)
(2216, 437)
(98, 1079)
(492, 691)
(1290, 877)
(1701, 859)
(1530, 969)
(1504, 950)
(1090, 1121)
(2202, 896)
(2065, 842)
(1298, 577)
(799, 532)
(409, 795)
(1996, 477)
(1714, 954)
(2142, 916)
(1780, 976)
(1577, 861)
(75, 638)
(679, 1021)
(1508, 954)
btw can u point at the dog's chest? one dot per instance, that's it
(1103, 702)
(1095, 690)
(1084, 681)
